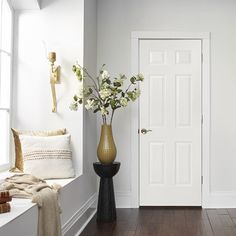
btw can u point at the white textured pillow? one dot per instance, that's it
(47, 157)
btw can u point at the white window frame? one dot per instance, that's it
(9, 110)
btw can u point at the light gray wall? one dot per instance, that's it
(90, 63)
(116, 20)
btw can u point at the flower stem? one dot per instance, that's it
(104, 119)
(128, 88)
(112, 114)
(87, 73)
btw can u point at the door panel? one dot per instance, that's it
(170, 105)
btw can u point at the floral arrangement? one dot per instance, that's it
(104, 94)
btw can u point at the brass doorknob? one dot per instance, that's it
(144, 131)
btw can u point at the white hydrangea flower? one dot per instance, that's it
(104, 93)
(105, 74)
(140, 77)
(123, 102)
(104, 111)
(105, 85)
(74, 106)
(90, 104)
(80, 92)
(119, 80)
(136, 94)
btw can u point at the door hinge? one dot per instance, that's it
(202, 57)
(201, 179)
(202, 119)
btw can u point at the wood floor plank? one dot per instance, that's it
(226, 221)
(232, 212)
(197, 223)
(124, 233)
(166, 222)
(222, 211)
(234, 220)
(215, 222)
(222, 225)
(125, 226)
(148, 229)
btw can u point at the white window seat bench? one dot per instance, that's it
(23, 218)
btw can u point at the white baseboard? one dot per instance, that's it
(81, 218)
(216, 199)
(85, 223)
(221, 199)
(123, 199)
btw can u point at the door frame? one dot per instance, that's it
(136, 36)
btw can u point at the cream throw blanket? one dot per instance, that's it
(28, 186)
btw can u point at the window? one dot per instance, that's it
(6, 18)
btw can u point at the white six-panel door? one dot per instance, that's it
(170, 106)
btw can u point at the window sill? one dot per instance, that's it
(20, 206)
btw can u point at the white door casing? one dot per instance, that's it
(170, 105)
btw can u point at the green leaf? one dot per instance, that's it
(96, 110)
(108, 81)
(113, 103)
(133, 79)
(79, 77)
(77, 72)
(122, 76)
(117, 84)
(74, 68)
(130, 94)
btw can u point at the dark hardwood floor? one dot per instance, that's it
(167, 222)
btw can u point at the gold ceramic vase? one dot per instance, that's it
(106, 151)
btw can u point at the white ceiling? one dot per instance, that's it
(26, 4)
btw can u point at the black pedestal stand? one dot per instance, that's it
(106, 209)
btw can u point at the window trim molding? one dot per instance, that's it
(7, 165)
